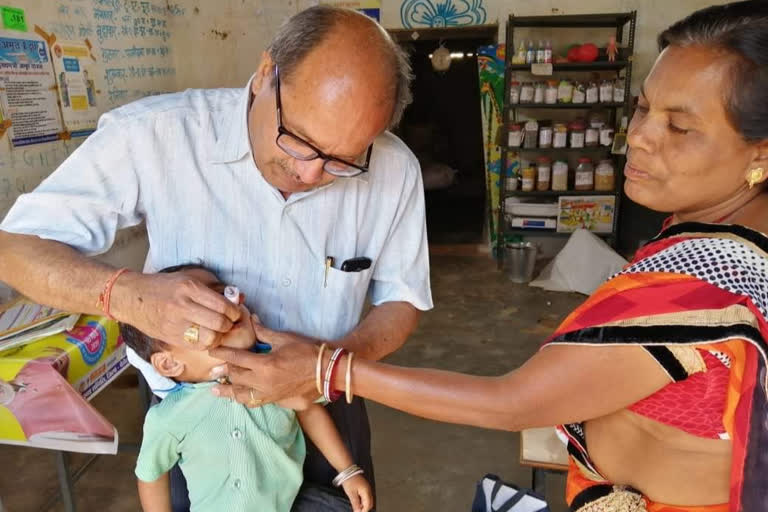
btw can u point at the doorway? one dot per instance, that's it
(443, 128)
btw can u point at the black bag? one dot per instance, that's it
(494, 495)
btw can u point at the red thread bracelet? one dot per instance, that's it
(106, 295)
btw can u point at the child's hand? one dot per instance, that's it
(359, 493)
(297, 403)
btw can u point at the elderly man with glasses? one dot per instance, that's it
(291, 189)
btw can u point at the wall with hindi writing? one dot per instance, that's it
(132, 43)
(144, 47)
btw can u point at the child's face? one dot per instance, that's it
(189, 365)
(197, 364)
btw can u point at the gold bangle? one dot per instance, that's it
(319, 369)
(348, 382)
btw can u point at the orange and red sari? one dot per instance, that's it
(696, 298)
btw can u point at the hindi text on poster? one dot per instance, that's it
(27, 89)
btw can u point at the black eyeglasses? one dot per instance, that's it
(296, 147)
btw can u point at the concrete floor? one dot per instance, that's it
(481, 324)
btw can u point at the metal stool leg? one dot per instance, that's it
(65, 481)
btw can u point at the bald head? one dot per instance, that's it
(350, 50)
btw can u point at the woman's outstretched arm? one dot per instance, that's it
(559, 384)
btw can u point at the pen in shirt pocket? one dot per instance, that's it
(357, 264)
(328, 265)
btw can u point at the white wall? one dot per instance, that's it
(101, 22)
(219, 42)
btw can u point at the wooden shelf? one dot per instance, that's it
(549, 232)
(573, 20)
(598, 65)
(624, 26)
(545, 106)
(548, 151)
(558, 193)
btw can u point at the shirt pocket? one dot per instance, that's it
(343, 296)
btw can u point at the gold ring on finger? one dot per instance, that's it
(253, 402)
(192, 334)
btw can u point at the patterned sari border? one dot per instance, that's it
(697, 229)
(723, 317)
(666, 335)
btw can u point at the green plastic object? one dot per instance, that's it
(13, 18)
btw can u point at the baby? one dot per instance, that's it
(234, 458)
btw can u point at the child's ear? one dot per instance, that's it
(166, 365)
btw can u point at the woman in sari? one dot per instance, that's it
(658, 381)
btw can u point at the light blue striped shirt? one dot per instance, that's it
(182, 163)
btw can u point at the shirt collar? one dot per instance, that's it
(364, 176)
(235, 143)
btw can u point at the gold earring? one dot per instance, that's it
(755, 176)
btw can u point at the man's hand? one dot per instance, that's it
(163, 306)
(287, 372)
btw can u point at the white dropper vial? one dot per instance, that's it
(232, 293)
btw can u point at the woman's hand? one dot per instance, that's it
(359, 493)
(287, 372)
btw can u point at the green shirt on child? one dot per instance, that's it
(234, 458)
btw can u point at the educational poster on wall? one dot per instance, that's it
(371, 8)
(73, 65)
(594, 213)
(27, 89)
